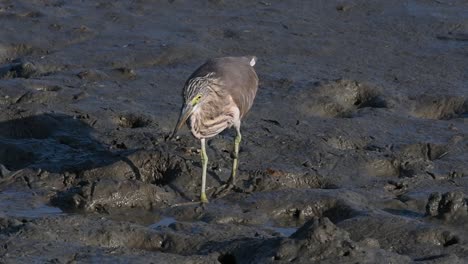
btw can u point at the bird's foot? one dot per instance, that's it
(185, 204)
(224, 189)
(203, 198)
(201, 203)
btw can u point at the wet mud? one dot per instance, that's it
(355, 151)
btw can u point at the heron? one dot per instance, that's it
(217, 96)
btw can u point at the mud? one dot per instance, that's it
(355, 150)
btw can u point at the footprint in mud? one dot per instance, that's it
(383, 167)
(14, 51)
(272, 179)
(419, 158)
(92, 75)
(137, 179)
(18, 69)
(439, 107)
(344, 141)
(106, 195)
(131, 120)
(335, 210)
(280, 211)
(341, 98)
(449, 206)
(127, 73)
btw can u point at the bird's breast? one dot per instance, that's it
(209, 120)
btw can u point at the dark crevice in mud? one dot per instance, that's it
(154, 167)
(28, 183)
(167, 175)
(339, 213)
(429, 258)
(227, 259)
(451, 241)
(167, 169)
(134, 121)
(126, 72)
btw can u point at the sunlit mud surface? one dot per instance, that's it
(355, 151)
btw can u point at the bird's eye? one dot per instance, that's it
(196, 99)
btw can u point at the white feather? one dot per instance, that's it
(253, 61)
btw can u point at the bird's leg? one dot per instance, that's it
(225, 188)
(204, 160)
(235, 160)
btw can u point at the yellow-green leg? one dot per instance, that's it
(235, 160)
(204, 160)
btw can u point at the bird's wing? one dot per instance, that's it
(239, 80)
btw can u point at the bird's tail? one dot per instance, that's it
(252, 60)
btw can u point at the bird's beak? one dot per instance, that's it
(184, 115)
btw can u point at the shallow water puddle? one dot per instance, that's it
(285, 231)
(25, 204)
(165, 221)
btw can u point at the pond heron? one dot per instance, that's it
(217, 96)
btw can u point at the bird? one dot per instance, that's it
(217, 95)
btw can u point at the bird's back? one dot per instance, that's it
(237, 77)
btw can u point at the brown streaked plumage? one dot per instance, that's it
(217, 96)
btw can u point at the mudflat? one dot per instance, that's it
(355, 151)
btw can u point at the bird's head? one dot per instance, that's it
(190, 106)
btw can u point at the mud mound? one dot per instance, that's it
(449, 206)
(10, 52)
(36, 127)
(140, 180)
(92, 75)
(439, 107)
(316, 240)
(18, 69)
(426, 240)
(281, 211)
(340, 99)
(275, 180)
(103, 195)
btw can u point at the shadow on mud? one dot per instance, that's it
(51, 142)
(57, 154)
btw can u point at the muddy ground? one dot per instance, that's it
(355, 151)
